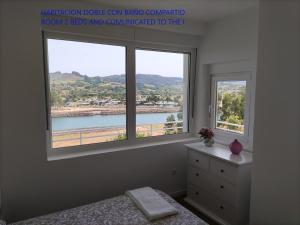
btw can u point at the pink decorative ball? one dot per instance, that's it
(236, 147)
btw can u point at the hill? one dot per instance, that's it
(145, 79)
(74, 88)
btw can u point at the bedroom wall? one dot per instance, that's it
(229, 45)
(1, 170)
(31, 185)
(276, 166)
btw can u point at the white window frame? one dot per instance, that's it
(186, 117)
(131, 140)
(224, 136)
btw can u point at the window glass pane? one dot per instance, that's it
(161, 93)
(87, 92)
(230, 105)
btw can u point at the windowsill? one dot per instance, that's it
(60, 154)
(225, 138)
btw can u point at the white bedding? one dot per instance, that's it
(151, 203)
(119, 210)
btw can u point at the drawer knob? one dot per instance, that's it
(221, 170)
(221, 207)
(197, 174)
(222, 187)
(197, 160)
(197, 193)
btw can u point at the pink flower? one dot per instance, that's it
(206, 133)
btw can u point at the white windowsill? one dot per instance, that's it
(58, 155)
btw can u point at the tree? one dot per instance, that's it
(170, 125)
(231, 108)
(234, 119)
(180, 116)
(171, 118)
(179, 125)
(231, 104)
(55, 99)
(152, 98)
(178, 100)
(225, 109)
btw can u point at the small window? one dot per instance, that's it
(230, 104)
(161, 93)
(87, 85)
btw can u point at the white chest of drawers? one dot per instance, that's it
(219, 183)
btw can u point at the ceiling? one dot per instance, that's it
(198, 10)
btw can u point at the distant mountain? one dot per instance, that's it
(232, 87)
(66, 76)
(141, 79)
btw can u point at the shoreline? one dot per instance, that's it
(111, 110)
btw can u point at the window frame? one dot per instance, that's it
(189, 85)
(130, 46)
(224, 136)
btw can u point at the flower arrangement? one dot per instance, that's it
(207, 136)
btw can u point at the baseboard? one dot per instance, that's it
(206, 212)
(178, 194)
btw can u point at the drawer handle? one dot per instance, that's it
(197, 193)
(197, 160)
(221, 207)
(222, 171)
(222, 187)
(197, 174)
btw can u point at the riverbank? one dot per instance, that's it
(91, 136)
(108, 110)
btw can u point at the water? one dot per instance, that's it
(68, 123)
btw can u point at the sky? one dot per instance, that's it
(103, 60)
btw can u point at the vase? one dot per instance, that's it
(236, 147)
(208, 142)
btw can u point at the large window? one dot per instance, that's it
(87, 84)
(161, 93)
(92, 97)
(230, 104)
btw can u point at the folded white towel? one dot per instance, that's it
(151, 203)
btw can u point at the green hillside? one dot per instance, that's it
(67, 88)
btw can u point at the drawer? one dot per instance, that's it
(211, 203)
(200, 196)
(210, 183)
(198, 160)
(225, 191)
(224, 211)
(224, 170)
(200, 178)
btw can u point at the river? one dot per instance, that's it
(101, 121)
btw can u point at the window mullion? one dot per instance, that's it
(131, 93)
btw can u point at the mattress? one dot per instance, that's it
(119, 210)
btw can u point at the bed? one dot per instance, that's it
(119, 210)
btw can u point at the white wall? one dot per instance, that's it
(276, 167)
(229, 45)
(31, 185)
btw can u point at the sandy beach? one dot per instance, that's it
(107, 110)
(73, 138)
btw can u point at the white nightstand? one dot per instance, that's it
(219, 183)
